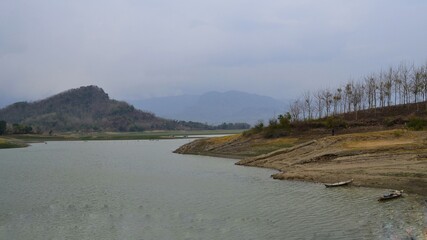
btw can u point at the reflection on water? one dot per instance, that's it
(141, 190)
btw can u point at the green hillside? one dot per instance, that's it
(87, 109)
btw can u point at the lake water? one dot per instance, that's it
(141, 190)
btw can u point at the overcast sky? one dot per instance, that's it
(137, 49)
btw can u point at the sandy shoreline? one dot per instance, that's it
(389, 159)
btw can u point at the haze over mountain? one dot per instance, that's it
(142, 49)
(215, 107)
(87, 109)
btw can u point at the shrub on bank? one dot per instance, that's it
(416, 124)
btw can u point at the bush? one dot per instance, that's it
(285, 121)
(307, 125)
(275, 132)
(256, 129)
(390, 122)
(333, 122)
(136, 128)
(398, 133)
(416, 124)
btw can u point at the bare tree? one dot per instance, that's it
(424, 82)
(295, 110)
(308, 103)
(357, 96)
(337, 99)
(397, 86)
(348, 92)
(416, 82)
(404, 77)
(371, 90)
(388, 84)
(319, 103)
(381, 89)
(327, 97)
(423, 70)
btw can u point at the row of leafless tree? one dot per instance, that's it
(403, 84)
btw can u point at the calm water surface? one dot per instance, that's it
(141, 190)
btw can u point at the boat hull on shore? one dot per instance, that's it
(392, 195)
(338, 184)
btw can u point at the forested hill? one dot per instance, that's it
(87, 109)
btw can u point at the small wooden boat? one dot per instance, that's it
(338, 183)
(392, 195)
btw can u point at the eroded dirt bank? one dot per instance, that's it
(394, 159)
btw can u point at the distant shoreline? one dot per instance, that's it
(23, 140)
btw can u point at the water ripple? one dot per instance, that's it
(140, 190)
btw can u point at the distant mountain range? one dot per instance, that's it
(215, 107)
(88, 109)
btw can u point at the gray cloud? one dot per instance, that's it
(137, 49)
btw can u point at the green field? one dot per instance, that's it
(11, 143)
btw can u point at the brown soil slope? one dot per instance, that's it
(235, 146)
(394, 159)
(389, 159)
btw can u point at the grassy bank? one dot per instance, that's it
(11, 143)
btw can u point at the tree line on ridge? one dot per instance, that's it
(399, 85)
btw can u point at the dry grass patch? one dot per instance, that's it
(224, 139)
(11, 143)
(264, 146)
(381, 139)
(378, 143)
(275, 143)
